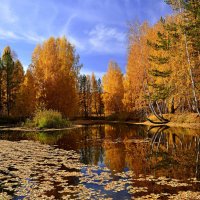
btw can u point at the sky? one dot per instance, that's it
(97, 28)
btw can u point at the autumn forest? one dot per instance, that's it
(77, 123)
(162, 74)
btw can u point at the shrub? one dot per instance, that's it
(48, 119)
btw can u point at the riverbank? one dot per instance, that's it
(184, 120)
(188, 120)
(21, 128)
(170, 124)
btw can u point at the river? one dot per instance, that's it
(115, 161)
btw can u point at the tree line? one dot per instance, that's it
(52, 81)
(162, 73)
(163, 66)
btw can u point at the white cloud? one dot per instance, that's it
(35, 28)
(89, 72)
(106, 33)
(76, 43)
(106, 39)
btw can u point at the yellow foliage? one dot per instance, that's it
(55, 78)
(137, 66)
(26, 98)
(113, 89)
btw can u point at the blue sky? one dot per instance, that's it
(97, 28)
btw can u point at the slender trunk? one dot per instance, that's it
(145, 88)
(158, 107)
(191, 76)
(190, 68)
(162, 119)
(161, 133)
(150, 103)
(154, 112)
(172, 106)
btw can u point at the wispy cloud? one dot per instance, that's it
(96, 28)
(4, 34)
(106, 39)
(28, 37)
(78, 44)
(7, 16)
(32, 37)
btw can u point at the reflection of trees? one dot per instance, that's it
(90, 149)
(164, 151)
(114, 155)
(125, 147)
(119, 149)
(136, 156)
(114, 149)
(175, 151)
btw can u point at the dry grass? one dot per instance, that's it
(185, 120)
(180, 118)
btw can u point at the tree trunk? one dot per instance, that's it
(190, 68)
(162, 119)
(172, 111)
(191, 76)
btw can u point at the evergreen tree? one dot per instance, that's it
(85, 97)
(94, 91)
(12, 77)
(190, 26)
(100, 104)
(159, 72)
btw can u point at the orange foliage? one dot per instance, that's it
(55, 77)
(113, 89)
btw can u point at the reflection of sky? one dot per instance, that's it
(98, 29)
(123, 194)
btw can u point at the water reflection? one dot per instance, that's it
(159, 151)
(177, 149)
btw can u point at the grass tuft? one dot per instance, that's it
(48, 119)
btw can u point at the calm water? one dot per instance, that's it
(158, 157)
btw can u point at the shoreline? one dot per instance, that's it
(81, 123)
(170, 124)
(18, 128)
(146, 123)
